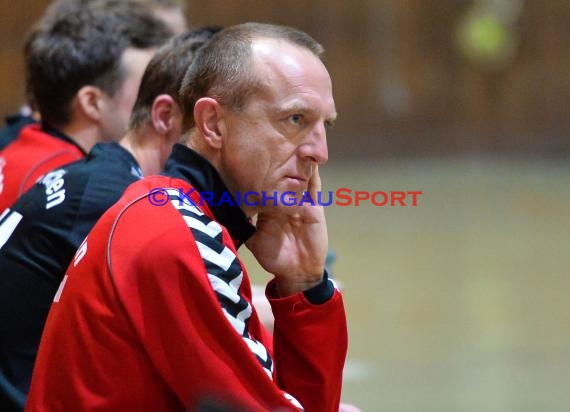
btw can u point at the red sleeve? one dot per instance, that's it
(168, 297)
(310, 344)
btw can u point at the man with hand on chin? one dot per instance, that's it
(155, 311)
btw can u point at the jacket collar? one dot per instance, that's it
(58, 134)
(186, 164)
(113, 150)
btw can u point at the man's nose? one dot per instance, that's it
(315, 145)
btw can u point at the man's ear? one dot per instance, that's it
(89, 101)
(207, 117)
(162, 114)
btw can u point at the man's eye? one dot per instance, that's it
(296, 119)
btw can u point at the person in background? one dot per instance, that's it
(170, 12)
(83, 67)
(154, 312)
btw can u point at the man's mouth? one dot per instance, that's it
(297, 180)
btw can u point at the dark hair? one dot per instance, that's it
(75, 45)
(222, 68)
(166, 70)
(168, 4)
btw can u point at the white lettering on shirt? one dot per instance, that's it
(55, 192)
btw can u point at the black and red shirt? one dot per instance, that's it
(37, 150)
(39, 234)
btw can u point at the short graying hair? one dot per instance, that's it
(222, 69)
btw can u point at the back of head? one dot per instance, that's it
(166, 70)
(136, 21)
(75, 45)
(170, 12)
(222, 69)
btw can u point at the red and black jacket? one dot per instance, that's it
(155, 314)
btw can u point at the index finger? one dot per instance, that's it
(314, 186)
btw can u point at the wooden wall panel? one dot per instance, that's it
(15, 19)
(400, 85)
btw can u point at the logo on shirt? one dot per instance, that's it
(137, 172)
(55, 192)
